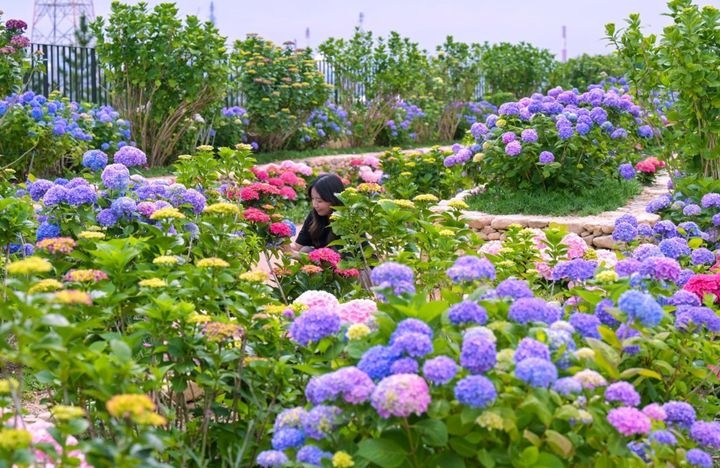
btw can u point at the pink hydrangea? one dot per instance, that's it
(629, 421)
(40, 435)
(316, 298)
(357, 311)
(576, 245)
(606, 257)
(544, 269)
(655, 411)
(370, 176)
(491, 248)
(401, 395)
(324, 254)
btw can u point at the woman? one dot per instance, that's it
(316, 231)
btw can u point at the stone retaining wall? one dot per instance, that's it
(595, 230)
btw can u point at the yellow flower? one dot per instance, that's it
(152, 283)
(501, 123)
(8, 386)
(590, 254)
(490, 420)
(458, 204)
(426, 197)
(129, 404)
(275, 309)
(255, 276)
(85, 276)
(607, 276)
(478, 157)
(585, 353)
(45, 285)
(149, 419)
(342, 460)
(219, 331)
(67, 413)
(404, 203)
(357, 331)
(212, 262)
(199, 318)
(205, 148)
(165, 260)
(14, 439)
(73, 296)
(185, 157)
(243, 147)
(410, 164)
(370, 187)
(506, 264)
(222, 208)
(406, 174)
(486, 145)
(167, 213)
(91, 235)
(250, 359)
(446, 233)
(28, 266)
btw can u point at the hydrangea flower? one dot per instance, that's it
(440, 370)
(641, 307)
(567, 386)
(475, 391)
(679, 413)
(477, 354)
(467, 312)
(287, 438)
(536, 372)
(312, 455)
(629, 421)
(95, 160)
(272, 458)
(469, 268)
(622, 392)
(314, 324)
(395, 276)
(546, 157)
(697, 457)
(350, 383)
(130, 156)
(529, 347)
(624, 232)
(401, 395)
(706, 433)
(320, 421)
(514, 289)
(116, 177)
(376, 361)
(532, 309)
(586, 324)
(663, 437)
(412, 344)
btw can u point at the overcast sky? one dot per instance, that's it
(427, 22)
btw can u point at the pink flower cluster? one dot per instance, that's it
(629, 421)
(401, 395)
(255, 215)
(41, 435)
(357, 311)
(649, 165)
(316, 298)
(324, 254)
(704, 284)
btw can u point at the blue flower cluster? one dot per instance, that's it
(469, 268)
(394, 276)
(314, 324)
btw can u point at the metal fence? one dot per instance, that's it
(75, 73)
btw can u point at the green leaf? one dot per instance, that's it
(629, 373)
(382, 452)
(528, 457)
(432, 432)
(121, 350)
(559, 443)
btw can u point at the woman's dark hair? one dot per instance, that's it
(327, 187)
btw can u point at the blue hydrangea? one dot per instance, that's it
(679, 413)
(106, 218)
(413, 344)
(195, 199)
(95, 160)
(532, 309)
(627, 266)
(664, 437)
(665, 229)
(312, 455)
(314, 324)
(272, 458)
(123, 207)
(404, 366)
(710, 200)
(624, 232)
(641, 307)
(377, 360)
(440, 370)
(411, 326)
(683, 297)
(639, 449)
(674, 247)
(702, 256)
(478, 354)
(395, 276)
(470, 268)
(691, 209)
(645, 230)
(644, 251)
(529, 347)
(475, 391)
(55, 195)
(467, 312)
(536, 372)
(46, 231)
(690, 229)
(130, 156)
(116, 177)
(321, 421)
(577, 269)
(586, 324)
(605, 317)
(287, 438)
(81, 195)
(700, 316)
(625, 332)
(658, 204)
(567, 386)
(513, 288)
(697, 457)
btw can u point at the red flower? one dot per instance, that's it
(290, 178)
(348, 273)
(249, 193)
(259, 173)
(256, 216)
(276, 181)
(280, 229)
(288, 193)
(704, 284)
(324, 255)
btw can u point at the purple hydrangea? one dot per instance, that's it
(123, 206)
(477, 354)
(38, 188)
(413, 344)
(470, 268)
(710, 200)
(645, 131)
(401, 395)
(657, 204)
(312, 455)
(475, 391)
(700, 316)
(320, 421)
(440, 370)
(700, 458)
(395, 276)
(586, 324)
(513, 148)
(644, 251)
(546, 157)
(683, 297)
(467, 312)
(130, 156)
(536, 372)
(665, 228)
(106, 218)
(577, 269)
(507, 137)
(629, 421)
(679, 413)
(195, 199)
(660, 268)
(532, 309)
(514, 289)
(706, 433)
(664, 437)
(627, 171)
(95, 160)
(691, 210)
(404, 366)
(529, 135)
(55, 195)
(702, 256)
(567, 386)
(605, 317)
(349, 383)
(314, 324)
(116, 177)
(81, 195)
(272, 458)
(529, 347)
(411, 326)
(624, 332)
(674, 247)
(622, 392)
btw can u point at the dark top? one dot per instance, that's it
(303, 238)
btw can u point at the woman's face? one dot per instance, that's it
(320, 206)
